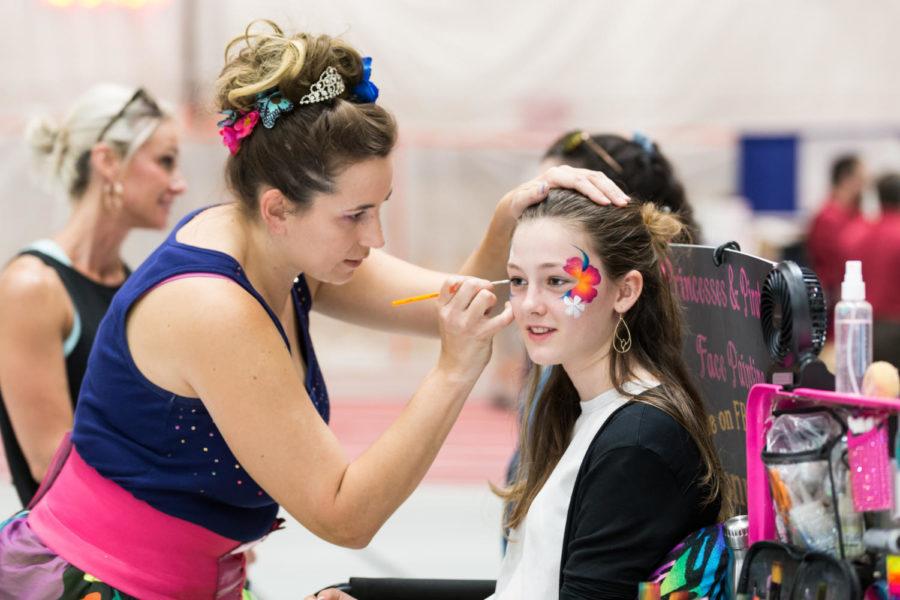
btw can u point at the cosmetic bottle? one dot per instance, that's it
(853, 331)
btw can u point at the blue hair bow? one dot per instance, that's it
(365, 90)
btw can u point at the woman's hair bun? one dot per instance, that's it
(47, 141)
(264, 57)
(41, 135)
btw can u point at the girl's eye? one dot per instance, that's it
(516, 281)
(167, 162)
(557, 281)
(357, 216)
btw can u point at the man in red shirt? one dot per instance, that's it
(877, 245)
(848, 179)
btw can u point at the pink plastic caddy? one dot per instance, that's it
(759, 409)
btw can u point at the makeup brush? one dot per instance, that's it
(433, 295)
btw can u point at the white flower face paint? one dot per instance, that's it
(574, 306)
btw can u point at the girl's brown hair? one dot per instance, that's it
(311, 144)
(634, 237)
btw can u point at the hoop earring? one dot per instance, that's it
(621, 343)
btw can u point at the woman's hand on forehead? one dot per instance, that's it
(592, 184)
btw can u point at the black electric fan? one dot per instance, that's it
(794, 321)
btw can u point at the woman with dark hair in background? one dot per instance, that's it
(638, 166)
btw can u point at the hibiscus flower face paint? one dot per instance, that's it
(587, 278)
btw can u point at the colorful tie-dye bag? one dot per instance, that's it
(697, 565)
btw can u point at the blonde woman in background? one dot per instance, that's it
(116, 157)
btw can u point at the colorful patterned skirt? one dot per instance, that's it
(86, 538)
(28, 569)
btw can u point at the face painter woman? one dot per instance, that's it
(203, 409)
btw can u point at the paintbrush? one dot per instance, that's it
(434, 295)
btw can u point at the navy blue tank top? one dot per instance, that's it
(164, 448)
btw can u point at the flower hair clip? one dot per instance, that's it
(236, 126)
(269, 105)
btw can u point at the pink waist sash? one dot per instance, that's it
(103, 530)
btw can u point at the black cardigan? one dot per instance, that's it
(636, 496)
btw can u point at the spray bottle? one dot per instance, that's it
(853, 331)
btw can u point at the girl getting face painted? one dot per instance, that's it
(581, 278)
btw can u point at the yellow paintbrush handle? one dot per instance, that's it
(415, 299)
(433, 295)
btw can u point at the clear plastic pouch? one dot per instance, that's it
(807, 474)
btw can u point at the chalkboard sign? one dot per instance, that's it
(723, 345)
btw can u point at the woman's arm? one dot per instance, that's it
(229, 354)
(35, 316)
(366, 298)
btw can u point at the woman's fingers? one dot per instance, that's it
(530, 193)
(466, 292)
(523, 196)
(609, 188)
(482, 303)
(450, 287)
(498, 322)
(471, 298)
(593, 184)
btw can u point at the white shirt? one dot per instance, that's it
(531, 566)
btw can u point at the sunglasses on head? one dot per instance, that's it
(581, 138)
(139, 95)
